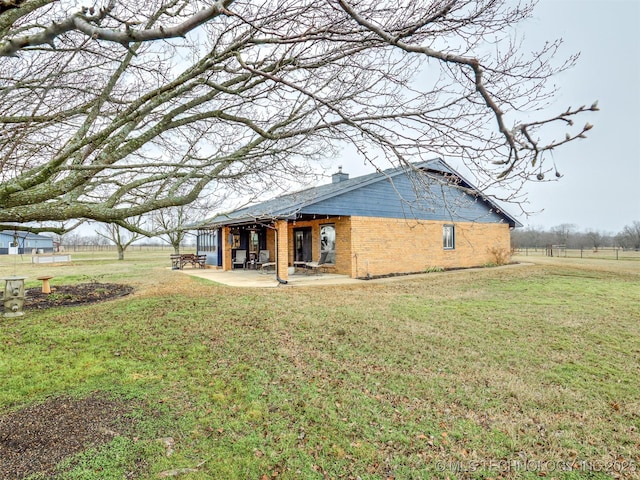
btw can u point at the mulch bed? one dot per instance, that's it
(80, 294)
(35, 439)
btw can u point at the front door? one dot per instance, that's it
(303, 242)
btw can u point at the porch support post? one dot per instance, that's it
(226, 249)
(282, 227)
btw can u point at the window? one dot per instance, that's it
(448, 237)
(207, 240)
(328, 243)
(254, 242)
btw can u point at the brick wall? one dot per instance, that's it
(343, 241)
(381, 246)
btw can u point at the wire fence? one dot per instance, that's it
(114, 248)
(605, 253)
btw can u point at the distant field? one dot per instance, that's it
(88, 266)
(527, 371)
(585, 253)
(629, 264)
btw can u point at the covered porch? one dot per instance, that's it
(288, 247)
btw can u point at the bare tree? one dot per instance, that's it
(629, 237)
(110, 112)
(562, 232)
(120, 236)
(172, 221)
(595, 238)
(171, 224)
(530, 237)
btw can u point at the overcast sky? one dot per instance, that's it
(599, 189)
(601, 184)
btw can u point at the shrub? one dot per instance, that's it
(501, 256)
(433, 269)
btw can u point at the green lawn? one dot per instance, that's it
(520, 372)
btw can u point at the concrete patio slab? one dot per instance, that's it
(252, 278)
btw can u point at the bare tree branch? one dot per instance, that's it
(90, 26)
(249, 96)
(510, 134)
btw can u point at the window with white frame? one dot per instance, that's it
(448, 237)
(328, 243)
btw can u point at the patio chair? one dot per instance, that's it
(241, 259)
(263, 257)
(316, 266)
(263, 261)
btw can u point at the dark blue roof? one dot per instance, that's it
(393, 193)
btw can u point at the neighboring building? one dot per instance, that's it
(19, 242)
(391, 222)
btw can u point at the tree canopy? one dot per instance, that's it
(121, 108)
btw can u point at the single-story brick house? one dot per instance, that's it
(392, 222)
(19, 242)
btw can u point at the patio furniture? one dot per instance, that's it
(179, 260)
(263, 261)
(316, 266)
(263, 257)
(240, 259)
(265, 267)
(252, 262)
(300, 266)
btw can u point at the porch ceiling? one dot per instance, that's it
(248, 223)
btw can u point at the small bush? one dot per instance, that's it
(501, 256)
(433, 269)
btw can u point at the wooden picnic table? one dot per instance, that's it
(180, 260)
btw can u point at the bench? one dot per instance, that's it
(180, 260)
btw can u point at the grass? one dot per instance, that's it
(518, 372)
